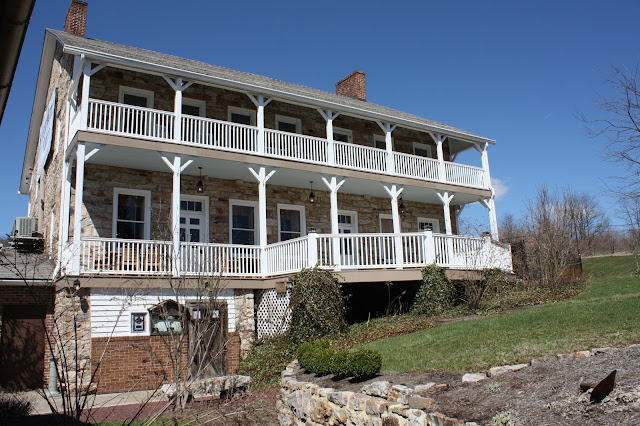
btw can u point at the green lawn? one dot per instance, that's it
(606, 313)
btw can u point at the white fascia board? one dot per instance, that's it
(40, 97)
(100, 57)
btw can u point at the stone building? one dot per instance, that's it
(150, 173)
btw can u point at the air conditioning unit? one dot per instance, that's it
(24, 227)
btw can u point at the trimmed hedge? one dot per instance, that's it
(361, 364)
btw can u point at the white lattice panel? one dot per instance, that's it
(272, 312)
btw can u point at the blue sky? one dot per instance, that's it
(511, 71)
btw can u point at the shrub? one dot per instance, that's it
(361, 364)
(487, 292)
(315, 356)
(364, 363)
(435, 294)
(267, 359)
(13, 407)
(317, 305)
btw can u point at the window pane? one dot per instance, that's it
(135, 100)
(183, 234)
(290, 220)
(243, 217)
(242, 237)
(381, 144)
(340, 137)
(195, 235)
(190, 110)
(130, 230)
(421, 152)
(287, 127)
(284, 236)
(240, 118)
(183, 220)
(183, 205)
(131, 207)
(194, 221)
(198, 206)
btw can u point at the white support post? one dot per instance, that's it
(177, 168)
(178, 86)
(262, 177)
(312, 249)
(482, 149)
(490, 205)
(329, 116)
(387, 128)
(260, 102)
(334, 185)
(65, 204)
(439, 140)
(77, 213)
(394, 192)
(428, 248)
(84, 104)
(446, 202)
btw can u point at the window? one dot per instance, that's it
(347, 222)
(288, 124)
(243, 222)
(242, 116)
(379, 142)
(194, 223)
(193, 107)
(422, 150)
(386, 223)
(166, 318)
(291, 221)
(138, 322)
(428, 224)
(136, 97)
(342, 135)
(131, 213)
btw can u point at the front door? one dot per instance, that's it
(347, 224)
(193, 219)
(387, 247)
(22, 348)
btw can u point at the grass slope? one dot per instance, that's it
(606, 313)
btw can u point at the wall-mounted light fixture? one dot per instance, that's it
(76, 285)
(200, 185)
(402, 207)
(312, 196)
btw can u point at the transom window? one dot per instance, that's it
(131, 213)
(288, 124)
(291, 221)
(347, 222)
(379, 142)
(243, 218)
(428, 224)
(193, 107)
(342, 135)
(242, 116)
(136, 97)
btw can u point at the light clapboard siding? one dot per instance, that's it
(111, 309)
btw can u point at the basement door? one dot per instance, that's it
(22, 348)
(208, 339)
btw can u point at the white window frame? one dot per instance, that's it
(380, 138)
(198, 103)
(347, 132)
(422, 146)
(435, 222)
(205, 211)
(353, 214)
(383, 216)
(147, 209)
(290, 120)
(303, 219)
(256, 219)
(237, 110)
(148, 94)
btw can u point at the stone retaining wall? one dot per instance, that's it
(378, 403)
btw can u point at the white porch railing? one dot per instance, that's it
(127, 120)
(116, 256)
(286, 257)
(201, 259)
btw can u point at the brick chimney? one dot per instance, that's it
(354, 86)
(76, 21)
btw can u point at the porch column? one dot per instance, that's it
(329, 116)
(177, 168)
(446, 198)
(490, 205)
(334, 185)
(387, 128)
(260, 102)
(482, 149)
(178, 86)
(394, 192)
(439, 139)
(262, 177)
(77, 213)
(65, 204)
(86, 85)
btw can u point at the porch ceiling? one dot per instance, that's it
(143, 159)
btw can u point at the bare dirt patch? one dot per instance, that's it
(545, 393)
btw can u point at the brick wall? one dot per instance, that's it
(233, 353)
(32, 295)
(353, 86)
(101, 180)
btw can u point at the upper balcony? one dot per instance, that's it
(138, 122)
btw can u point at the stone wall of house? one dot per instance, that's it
(378, 403)
(106, 84)
(245, 321)
(100, 182)
(23, 295)
(45, 188)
